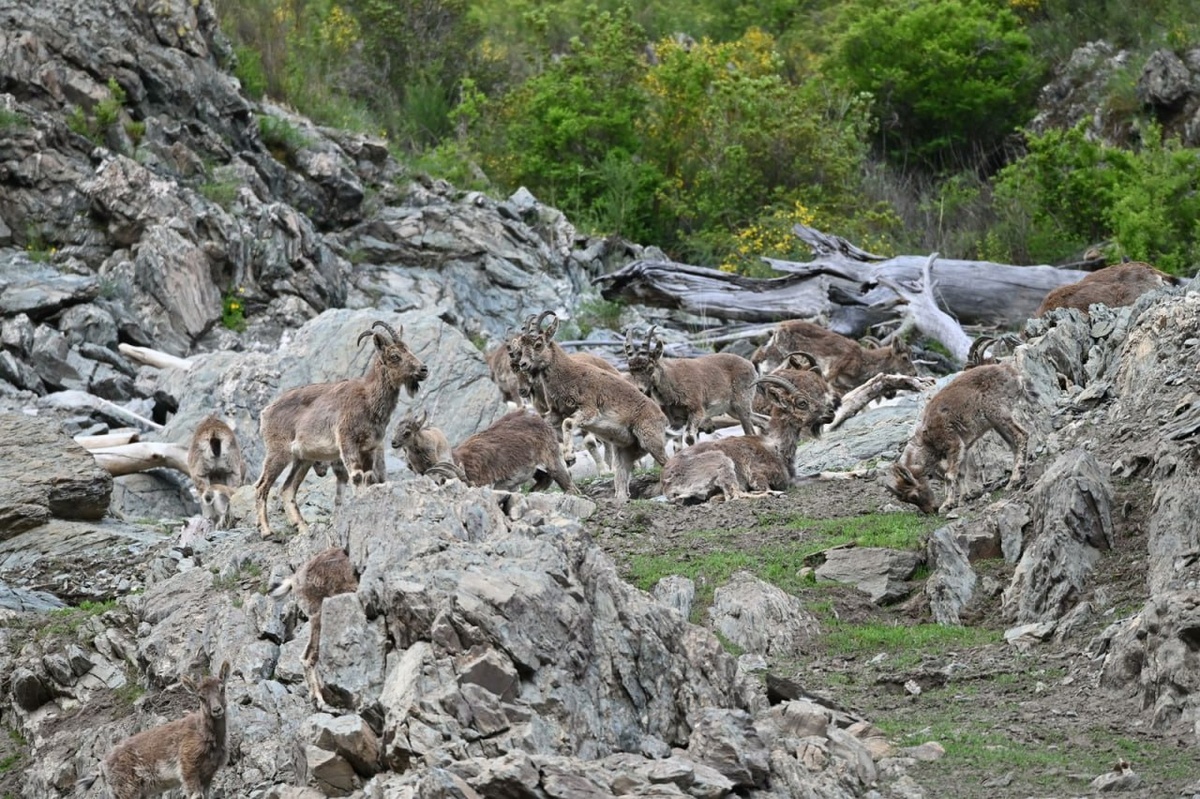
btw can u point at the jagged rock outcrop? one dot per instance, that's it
(491, 646)
(44, 474)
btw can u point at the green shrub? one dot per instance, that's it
(233, 310)
(281, 137)
(11, 120)
(947, 76)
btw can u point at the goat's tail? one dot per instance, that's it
(283, 588)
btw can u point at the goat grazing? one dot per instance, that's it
(976, 401)
(690, 389)
(505, 455)
(214, 456)
(600, 402)
(1114, 286)
(186, 752)
(346, 420)
(326, 574)
(846, 364)
(739, 466)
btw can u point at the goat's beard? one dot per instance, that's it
(412, 386)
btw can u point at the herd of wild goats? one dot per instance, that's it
(789, 388)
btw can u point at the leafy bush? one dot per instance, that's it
(947, 76)
(1071, 191)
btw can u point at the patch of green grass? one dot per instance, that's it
(905, 644)
(129, 693)
(729, 646)
(898, 530)
(67, 621)
(221, 192)
(282, 138)
(598, 313)
(11, 120)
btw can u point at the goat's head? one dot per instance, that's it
(408, 429)
(537, 343)
(210, 690)
(644, 358)
(400, 366)
(977, 355)
(895, 359)
(796, 408)
(912, 488)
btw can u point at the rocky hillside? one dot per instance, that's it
(492, 648)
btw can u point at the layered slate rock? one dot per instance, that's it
(44, 474)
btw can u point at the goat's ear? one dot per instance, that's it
(903, 473)
(900, 346)
(223, 675)
(658, 348)
(553, 328)
(422, 418)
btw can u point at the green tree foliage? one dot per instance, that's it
(949, 77)
(1070, 191)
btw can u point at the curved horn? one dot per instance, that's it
(388, 328)
(804, 356)
(650, 336)
(528, 324)
(979, 347)
(362, 335)
(872, 342)
(773, 380)
(541, 317)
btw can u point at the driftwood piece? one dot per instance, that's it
(155, 358)
(131, 458)
(858, 398)
(114, 438)
(921, 311)
(841, 283)
(74, 399)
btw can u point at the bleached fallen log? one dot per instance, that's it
(131, 458)
(841, 284)
(858, 398)
(922, 312)
(114, 438)
(73, 399)
(155, 358)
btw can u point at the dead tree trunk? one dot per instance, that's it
(842, 283)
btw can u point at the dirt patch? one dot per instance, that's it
(1013, 723)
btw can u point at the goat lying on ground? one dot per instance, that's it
(602, 403)
(741, 466)
(1114, 286)
(846, 364)
(326, 574)
(801, 370)
(345, 421)
(690, 389)
(186, 752)
(976, 401)
(505, 455)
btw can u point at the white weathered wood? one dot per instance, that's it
(840, 285)
(77, 400)
(131, 458)
(113, 439)
(921, 311)
(155, 358)
(858, 398)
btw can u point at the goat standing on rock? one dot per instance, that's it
(975, 402)
(328, 422)
(186, 752)
(690, 389)
(597, 401)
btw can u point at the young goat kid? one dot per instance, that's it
(690, 389)
(505, 455)
(328, 422)
(326, 574)
(975, 402)
(601, 403)
(186, 752)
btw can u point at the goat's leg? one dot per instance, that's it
(955, 486)
(189, 778)
(288, 494)
(626, 456)
(342, 477)
(274, 465)
(1018, 441)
